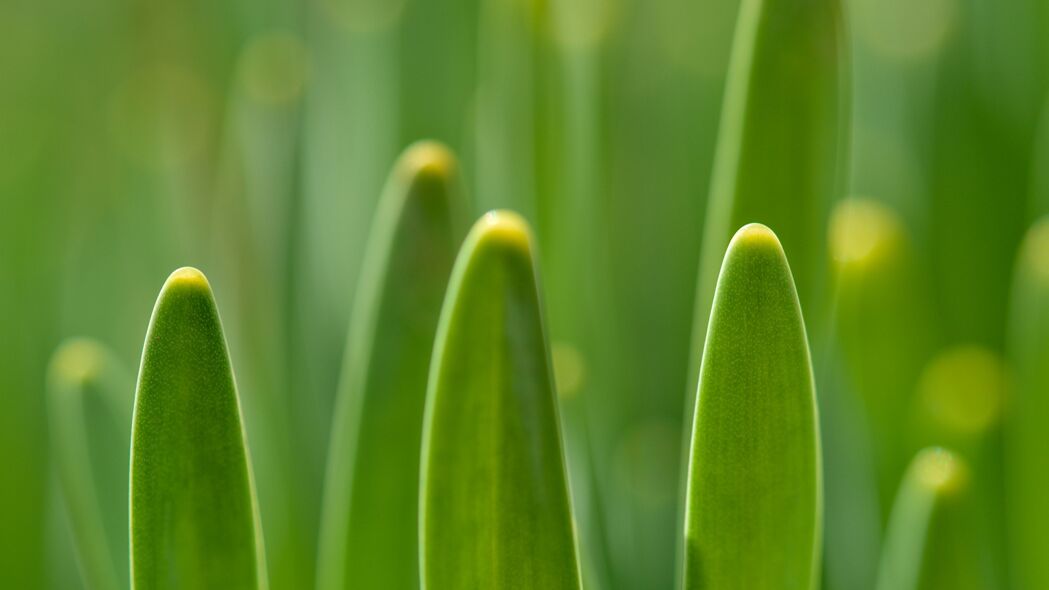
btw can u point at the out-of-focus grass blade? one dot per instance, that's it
(652, 77)
(959, 403)
(193, 511)
(779, 154)
(350, 138)
(753, 518)
(983, 116)
(1027, 466)
(494, 497)
(251, 259)
(90, 398)
(852, 522)
(369, 525)
(884, 324)
(882, 320)
(928, 543)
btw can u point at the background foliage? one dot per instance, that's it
(252, 139)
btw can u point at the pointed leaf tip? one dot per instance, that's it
(756, 235)
(503, 230)
(187, 277)
(429, 159)
(940, 471)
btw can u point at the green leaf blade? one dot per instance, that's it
(193, 512)
(1026, 464)
(90, 398)
(779, 158)
(883, 318)
(929, 540)
(369, 530)
(494, 498)
(754, 502)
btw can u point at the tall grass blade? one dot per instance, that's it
(1026, 464)
(883, 319)
(369, 526)
(753, 514)
(89, 400)
(959, 403)
(779, 158)
(928, 543)
(494, 498)
(193, 509)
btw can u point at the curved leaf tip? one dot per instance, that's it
(940, 471)
(429, 159)
(503, 230)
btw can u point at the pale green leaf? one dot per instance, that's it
(369, 527)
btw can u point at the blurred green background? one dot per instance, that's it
(252, 139)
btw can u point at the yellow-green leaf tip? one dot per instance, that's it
(755, 235)
(503, 230)
(77, 361)
(431, 160)
(941, 471)
(187, 277)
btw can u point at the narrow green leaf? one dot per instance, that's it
(1027, 465)
(494, 498)
(959, 403)
(977, 164)
(89, 399)
(883, 319)
(927, 545)
(753, 513)
(369, 527)
(349, 138)
(193, 511)
(779, 157)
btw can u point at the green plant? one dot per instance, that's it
(89, 403)
(754, 480)
(193, 513)
(1025, 462)
(495, 511)
(474, 442)
(928, 544)
(369, 525)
